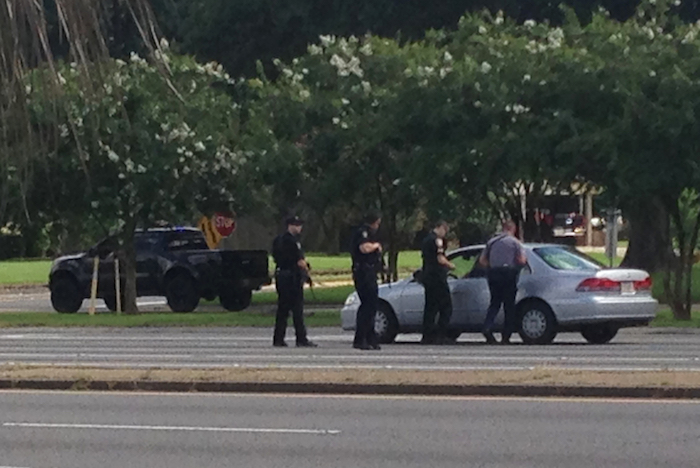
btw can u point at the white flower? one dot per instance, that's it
(529, 24)
(477, 104)
(486, 67)
(445, 71)
(114, 157)
(677, 3)
(366, 49)
(164, 44)
(61, 79)
(120, 63)
(482, 30)
(327, 40)
(199, 146)
(652, 73)
(477, 87)
(345, 101)
(304, 94)
(366, 87)
(95, 204)
(499, 18)
(336, 120)
(447, 57)
(543, 82)
(141, 169)
(526, 78)
(344, 126)
(314, 50)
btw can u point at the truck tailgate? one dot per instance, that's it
(245, 265)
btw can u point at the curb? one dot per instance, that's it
(358, 389)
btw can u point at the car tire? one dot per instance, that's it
(181, 294)
(454, 334)
(236, 300)
(537, 323)
(599, 334)
(65, 296)
(386, 326)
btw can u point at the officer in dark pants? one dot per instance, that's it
(366, 260)
(438, 299)
(504, 256)
(290, 275)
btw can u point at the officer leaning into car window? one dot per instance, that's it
(290, 275)
(366, 254)
(504, 257)
(437, 293)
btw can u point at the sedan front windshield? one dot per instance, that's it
(561, 258)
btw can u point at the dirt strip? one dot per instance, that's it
(536, 377)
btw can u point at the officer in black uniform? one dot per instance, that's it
(290, 275)
(437, 293)
(366, 261)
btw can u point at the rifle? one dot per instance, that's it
(385, 273)
(306, 278)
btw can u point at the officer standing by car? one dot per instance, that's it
(437, 292)
(290, 274)
(504, 257)
(366, 260)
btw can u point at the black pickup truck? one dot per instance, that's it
(171, 262)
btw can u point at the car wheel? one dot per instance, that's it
(235, 301)
(537, 323)
(65, 296)
(386, 326)
(599, 334)
(181, 294)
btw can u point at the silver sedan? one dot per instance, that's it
(560, 290)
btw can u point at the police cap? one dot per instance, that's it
(294, 221)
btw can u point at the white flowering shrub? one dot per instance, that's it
(153, 140)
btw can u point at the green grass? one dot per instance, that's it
(330, 295)
(24, 272)
(326, 318)
(664, 318)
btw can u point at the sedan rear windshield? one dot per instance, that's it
(561, 258)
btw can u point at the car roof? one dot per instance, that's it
(527, 245)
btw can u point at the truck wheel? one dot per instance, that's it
(599, 334)
(65, 296)
(111, 303)
(181, 294)
(235, 301)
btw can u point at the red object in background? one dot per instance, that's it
(224, 224)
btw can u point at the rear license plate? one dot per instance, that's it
(627, 287)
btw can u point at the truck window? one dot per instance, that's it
(187, 240)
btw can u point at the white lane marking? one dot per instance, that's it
(250, 430)
(88, 353)
(273, 366)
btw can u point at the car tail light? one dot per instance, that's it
(599, 284)
(644, 285)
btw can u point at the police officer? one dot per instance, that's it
(437, 293)
(290, 275)
(366, 260)
(504, 256)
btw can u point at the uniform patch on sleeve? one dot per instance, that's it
(438, 242)
(299, 245)
(365, 234)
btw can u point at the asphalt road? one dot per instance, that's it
(63, 430)
(38, 300)
(636, 349)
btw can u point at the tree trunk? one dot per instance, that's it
(649, 237)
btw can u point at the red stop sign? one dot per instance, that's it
(224, 225)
